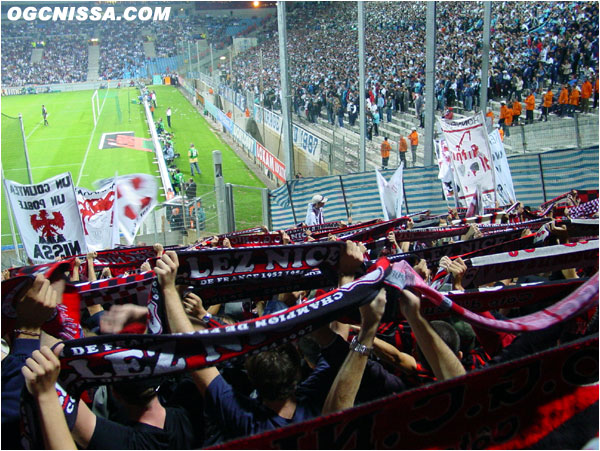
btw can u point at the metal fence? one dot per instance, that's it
(578, 132)
(181, 220)
(536, 177)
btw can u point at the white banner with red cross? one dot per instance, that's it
(471, 158)
(47, 217)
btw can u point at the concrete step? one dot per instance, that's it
(93, 62)
(149, 49)
(36, 55)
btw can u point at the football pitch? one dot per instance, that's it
(71, 143)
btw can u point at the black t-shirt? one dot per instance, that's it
(179, 433)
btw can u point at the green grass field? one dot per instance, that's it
(71, 143)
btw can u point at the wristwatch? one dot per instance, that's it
(356, 346)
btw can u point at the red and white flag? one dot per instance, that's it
(97, 210)
(47, 218)
(471, 158)
(136, 197)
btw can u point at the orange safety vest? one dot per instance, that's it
(563, 98)
(501, 134)
(508, 118)
(414, 138)
(491, 115)
(548, 99)
(385, 149)
(530, 103)
(574, 97)
(586, 90)
(402, 145)
(503, 110)
(516, 108)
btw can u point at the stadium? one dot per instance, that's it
(299, 225)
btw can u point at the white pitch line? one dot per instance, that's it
(44, 167)
(87, 151)
(34, 129)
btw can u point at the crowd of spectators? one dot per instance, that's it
(307, 377)
(121, 45)
(121, 49)
(64, 60)
(534, 46)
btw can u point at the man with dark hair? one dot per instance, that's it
(190, 190)
(45, 115)
(275, 374)
(283, 400)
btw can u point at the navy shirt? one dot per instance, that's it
(239, 415)
(12, 384)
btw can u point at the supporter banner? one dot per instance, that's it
(220, 116)
(391, 194)
(270, 161)
(471, 158)
(20, 280)
(236, 98)
(251, 231)
(324, 234)
(482, 270)
(136, 197)
(98, 217)
(531, 402)
(584, 210)
(533, 225)
(244, 139)
(492, 218)
(430, 233)
(368, 234)
(121, 260)
(253, 240)
(222, 275)
(308, 142)
(298, 234)
(505, 191)
(131, 289)
(47, 218)
(490, 244)
(493, 298)
(97, 360)
(582, 299)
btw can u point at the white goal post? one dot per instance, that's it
(95, 107)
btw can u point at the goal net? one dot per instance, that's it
(95, 107)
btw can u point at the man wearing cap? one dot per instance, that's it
(314, 212)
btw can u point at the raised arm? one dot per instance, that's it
(41, 372)
(345, 386)
(90, 256)
(443, 361)
(166, 270)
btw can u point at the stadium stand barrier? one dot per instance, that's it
(181, 221)
(537, 178)
(160, 160)
(320, 149)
